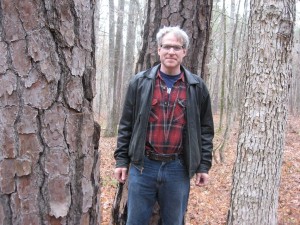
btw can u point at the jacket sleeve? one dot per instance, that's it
(207, 133)
(125, 128)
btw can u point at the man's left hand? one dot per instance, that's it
(202, 179)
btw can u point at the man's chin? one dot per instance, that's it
(172, 63)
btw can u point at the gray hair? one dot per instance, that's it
(179, 33)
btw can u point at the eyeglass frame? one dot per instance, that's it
(176, 48)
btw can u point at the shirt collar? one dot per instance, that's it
(180, 78)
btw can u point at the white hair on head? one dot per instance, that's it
(177, 31)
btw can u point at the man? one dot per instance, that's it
(165, 134)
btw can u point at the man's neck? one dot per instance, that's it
(171, 71)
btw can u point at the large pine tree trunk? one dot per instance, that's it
(48, 165)
(194, 17)
(256, 177)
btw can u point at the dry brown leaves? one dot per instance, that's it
(209, 205)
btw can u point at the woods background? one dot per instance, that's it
(128, 25)
(118, 44)
(66, 64)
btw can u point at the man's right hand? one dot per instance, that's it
(121, 174)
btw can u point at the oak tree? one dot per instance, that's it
(256, 175)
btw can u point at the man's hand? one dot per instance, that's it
(121, 174)
(202, 179)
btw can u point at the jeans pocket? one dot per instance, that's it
(133, 170)
(181, 162)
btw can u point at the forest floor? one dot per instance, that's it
(209, 205)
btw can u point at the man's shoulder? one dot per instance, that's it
(193, 78)
(149, 73)
(142, 74)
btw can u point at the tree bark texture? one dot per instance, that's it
(256, 176)
(295, 84)
(48, 166)
(119, 209)
(191, 15)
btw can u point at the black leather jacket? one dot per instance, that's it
(199, 130)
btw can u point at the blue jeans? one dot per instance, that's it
(167, 183)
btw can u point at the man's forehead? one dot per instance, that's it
(172, 37)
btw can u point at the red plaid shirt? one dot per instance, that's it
(167, 117)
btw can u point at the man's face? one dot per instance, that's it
(171, 53)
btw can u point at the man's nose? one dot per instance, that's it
(172, 50)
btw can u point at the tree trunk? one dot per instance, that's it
(231, 91)
(114, 98)
(256, 176)
(214, 82)
(130, 45)
(118, 70)
(295, 84)
(98, 59)
(48, 166)
(240, 58)
(194, 17)
(119, 209)
(109, 127)
(223, 77)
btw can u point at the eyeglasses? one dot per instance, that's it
(176, 48)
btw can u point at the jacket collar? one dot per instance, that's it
(190, 79)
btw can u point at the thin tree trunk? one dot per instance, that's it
(119, 50)
(231, 93)
(130, 45)
(214, 79)
(98, 59)
(215, 88)
(111, 79)
(256, 175)
(238, 67)
(224, 75)
(113, 118)
(101, 80)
